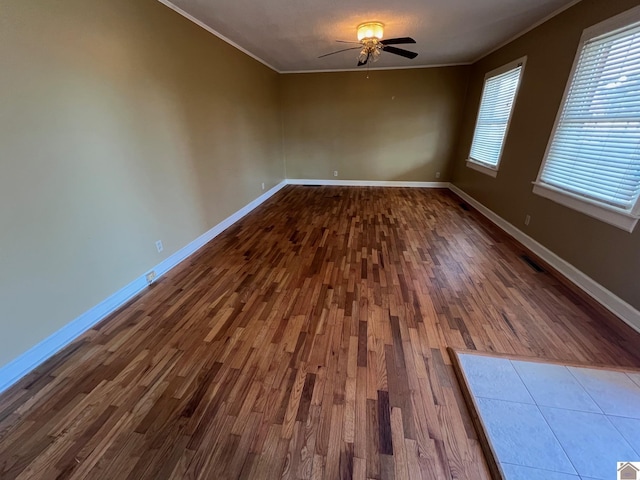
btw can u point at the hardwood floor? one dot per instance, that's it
(307, 341)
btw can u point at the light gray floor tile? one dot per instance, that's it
(521, 436)
(554, 386)
(629, 428)
(614, 392)
(592, 442)
(518, 472)
(492, 377)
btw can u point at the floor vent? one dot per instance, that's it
(464, 206)
(312, 185)
(532, 263)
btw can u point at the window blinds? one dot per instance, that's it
(493, 118)
(595, 150)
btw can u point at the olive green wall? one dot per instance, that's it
(394, 125)
(121, 123)
(605, 253)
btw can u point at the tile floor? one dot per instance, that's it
(556, 422)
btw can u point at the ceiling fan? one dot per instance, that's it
(371, 44)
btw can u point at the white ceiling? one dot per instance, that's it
(289, 35)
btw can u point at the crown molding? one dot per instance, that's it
(193, 19)
(360, 69)
(528, 29)
(206, 27)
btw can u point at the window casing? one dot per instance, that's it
(494, 115)
(592, 161)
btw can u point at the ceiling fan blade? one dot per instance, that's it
(345, 41)
(397, 41)
(339, 51)
(400, 51)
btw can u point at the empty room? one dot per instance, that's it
(320, 240)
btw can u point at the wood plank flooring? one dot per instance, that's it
(308, 341)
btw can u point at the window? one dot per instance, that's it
(592, 162)
(498, 97)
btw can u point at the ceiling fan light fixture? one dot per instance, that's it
(370, 30)
(371, 44)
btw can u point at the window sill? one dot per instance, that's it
(617, 218)
(487, 170)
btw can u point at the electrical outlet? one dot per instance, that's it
(151, 276)
(159, 246)
(263, 185)
(335, 173)
(527, 219)
(437, 174)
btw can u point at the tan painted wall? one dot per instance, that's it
(395, 125)
(121, 123)
(607, 254)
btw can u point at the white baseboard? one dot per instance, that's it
(20, 366)
(170, 262)
(23, 364)
(366, 183)
(606, 298)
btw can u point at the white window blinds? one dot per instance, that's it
(595, 150)
(498, 97)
